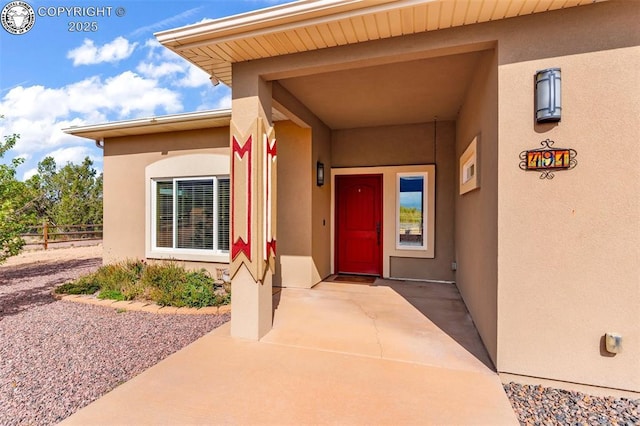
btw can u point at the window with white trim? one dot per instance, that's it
(191, 215)
(411, 211)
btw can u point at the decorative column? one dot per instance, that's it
(253, 215)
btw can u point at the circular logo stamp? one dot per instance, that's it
(17, 17)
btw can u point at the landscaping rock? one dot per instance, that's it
(539, 405)
(58, 356)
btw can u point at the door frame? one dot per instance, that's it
(389, 174)
(335, 216)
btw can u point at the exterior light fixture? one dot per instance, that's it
(548, 95)
(319, 173)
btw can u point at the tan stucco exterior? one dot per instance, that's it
(476, 236)
(125, 161)
(497, 227)
(545, 267)
(561, 290)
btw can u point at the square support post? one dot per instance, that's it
(253, 207)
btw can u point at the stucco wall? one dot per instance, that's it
(321, 199)
(409, 145)
(569, 248)
(319, 136)
(294, 265)
(546, 267)
(125, 159)
(476, 219)
(541, 300)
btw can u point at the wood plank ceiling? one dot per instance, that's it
(214, 46)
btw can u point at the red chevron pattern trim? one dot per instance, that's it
(270, 244)
(271, 148)
(271, 248)
(239, 245)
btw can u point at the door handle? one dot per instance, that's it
(378, 232)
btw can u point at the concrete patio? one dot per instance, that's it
(340, 353)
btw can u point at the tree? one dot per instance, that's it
(15, 200)
(69, 196)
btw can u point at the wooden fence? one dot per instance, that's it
(46, 233)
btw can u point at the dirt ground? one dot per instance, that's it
(54, 255)
(26, 280)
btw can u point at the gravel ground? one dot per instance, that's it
(538, 405)
(56, 357)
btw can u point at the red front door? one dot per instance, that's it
(359, 224)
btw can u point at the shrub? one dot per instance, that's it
(198, 290)
(83, 285)
(115, 277)
(167, 284)
(111, 294)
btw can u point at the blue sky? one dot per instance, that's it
(52, 78)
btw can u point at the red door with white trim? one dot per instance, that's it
(359, 224)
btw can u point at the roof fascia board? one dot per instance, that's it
(149, 122)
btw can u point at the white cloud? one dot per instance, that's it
(151, 70)
(167, 23)
(173, 70)
(203, 20)
(218, 97)
(89, 54)
(38, 113)
(72, 154)
(224, 102)
(29, 173)
(194, 77)
(157, 86)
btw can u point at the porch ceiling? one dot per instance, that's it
(397, 93)
(316, 24)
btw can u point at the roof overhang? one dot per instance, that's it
(160, 124)
(308, 25)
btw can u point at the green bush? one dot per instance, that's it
(83, 285)
(167, 284)
(122, 278)
(199, 290)
(111, 294)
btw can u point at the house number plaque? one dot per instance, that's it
(547, 160)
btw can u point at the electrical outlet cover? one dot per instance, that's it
(613, 342)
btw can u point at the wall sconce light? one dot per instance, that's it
(548, 99)
(319, 173)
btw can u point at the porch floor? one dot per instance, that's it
(387, 353)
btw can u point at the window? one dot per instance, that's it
(411, 204)
(191, 214)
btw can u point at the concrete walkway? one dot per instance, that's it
(392, 353)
